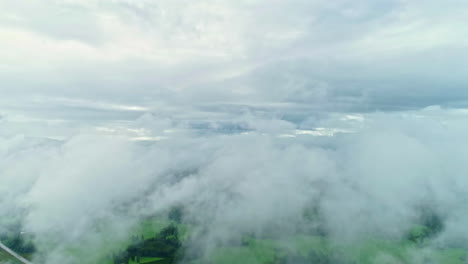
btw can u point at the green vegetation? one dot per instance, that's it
(164, 246)
(6, 258)
(159, 241)
(19, 244)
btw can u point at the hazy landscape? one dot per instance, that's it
(233, 132)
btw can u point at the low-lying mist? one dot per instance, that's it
(371, 183)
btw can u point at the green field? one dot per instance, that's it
(6, 258)
(314, 249)
(414, 248)
(269, 251)
(147, 260)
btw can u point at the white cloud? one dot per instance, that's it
(337, 56)
(232, 95)
(241, 183)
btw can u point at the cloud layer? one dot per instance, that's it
(248, 112)
(253, 183)
(184, 56)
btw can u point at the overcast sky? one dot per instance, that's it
(69, 63)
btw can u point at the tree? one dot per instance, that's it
(176, 214)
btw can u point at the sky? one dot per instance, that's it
(89, 63)
(247, 112)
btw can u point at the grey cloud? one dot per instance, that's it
(51, 18)
(340, 56)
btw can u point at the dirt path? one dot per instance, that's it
(11, 252)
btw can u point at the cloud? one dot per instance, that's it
(252, 183)
(340, 56)
(229, 98)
